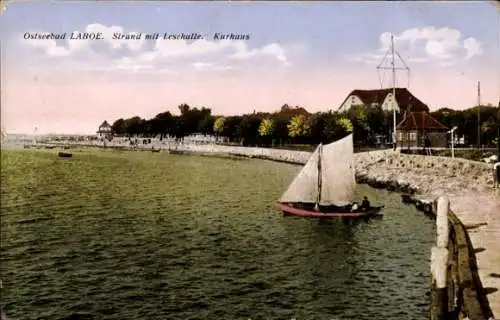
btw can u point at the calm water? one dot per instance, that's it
(139, 235)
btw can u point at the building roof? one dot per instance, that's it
(406, 100)
(420, 121)
(105, 124)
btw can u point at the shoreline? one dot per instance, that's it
(405, 173)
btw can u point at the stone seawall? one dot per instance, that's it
(289, 156)
(428, 176)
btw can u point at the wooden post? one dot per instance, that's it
(439, 260)
(443, 206)
(496, 174)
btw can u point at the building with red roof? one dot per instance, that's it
(405, 101)
(420, 129)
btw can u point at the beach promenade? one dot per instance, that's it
(480, 213)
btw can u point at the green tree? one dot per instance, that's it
(248, 129)
(345, 124)
(280, 130)
(193, 120)
(134, 126)
(231, 128)
(331, 130)
(219, 125)
(298, 126)
(359, 114)
(118, 127)
(163, 124)
(206, 124)
(324, 127)
(148, 128)
(317, 127)
(488, 131)
(266, 127)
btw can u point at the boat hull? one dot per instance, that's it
(289, 210)
(65, 155)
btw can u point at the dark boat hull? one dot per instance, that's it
(289, 210)
(65, 155)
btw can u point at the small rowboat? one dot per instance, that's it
(65, 155)
(290, 210)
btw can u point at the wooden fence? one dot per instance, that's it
(456, 290)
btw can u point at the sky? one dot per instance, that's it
(304, 54)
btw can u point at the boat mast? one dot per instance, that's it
(318, 199)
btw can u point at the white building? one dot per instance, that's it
(405, 101)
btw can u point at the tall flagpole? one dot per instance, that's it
(392, 66)
(498, 52)
(393, 95)
(497, 4)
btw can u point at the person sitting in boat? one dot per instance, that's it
(365, 204)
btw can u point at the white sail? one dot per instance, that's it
(304, 188)
(338, 181)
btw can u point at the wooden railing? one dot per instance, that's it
(456, 292)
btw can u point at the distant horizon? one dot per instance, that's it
(235, 57)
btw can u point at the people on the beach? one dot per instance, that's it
(365, 204)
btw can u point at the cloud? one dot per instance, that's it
(273, 50)
(208, 66)
(444, 45)
(133, 54)
(131, 65)
(201, 65)
(473, 47)
(232, 49)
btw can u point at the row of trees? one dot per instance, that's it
(287, 126)
(295, 125)
(477, 124)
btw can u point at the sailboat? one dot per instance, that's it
(325, 186)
